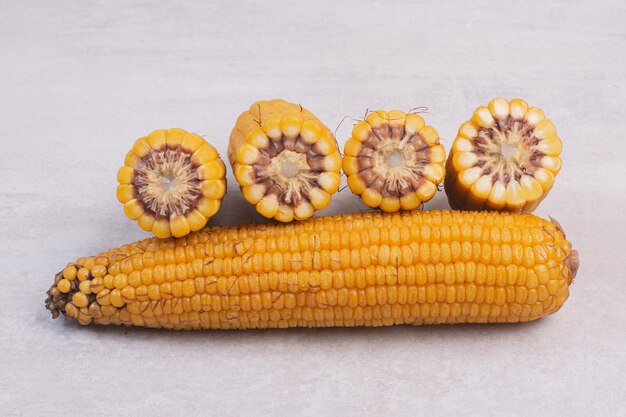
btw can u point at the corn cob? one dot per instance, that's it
(370, 269)
(393, 160)
(504, 158)
(172, 182)
(285, 160)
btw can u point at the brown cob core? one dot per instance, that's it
(507, 150)
(289, 169)
(391, 161)
(166, 182)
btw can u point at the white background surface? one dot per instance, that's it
(79, 81)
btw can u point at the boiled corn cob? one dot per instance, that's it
(172, 182)
(285, 160)
(504, 158)
(370, 269)
(394, 160)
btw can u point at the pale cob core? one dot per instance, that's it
(395, 159)
(508, 151)
(368, 269)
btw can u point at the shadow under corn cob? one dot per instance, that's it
(369, 269)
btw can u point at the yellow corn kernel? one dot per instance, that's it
(291, 123)
(133, 209)
(82, 274)
(69, 273)
(85, 287)
(179, 225)
(80, 300)
(156, 139)
(361, 131)
(268, 206)
(64, 286)
(205, 154)
(208, 207)
(98, 270)
(146, 222)
(352, 147)
(518, 108)
(161, 228)
(534, 115)
(191, 142)
(253, 193)
(196, 220)
(125, 175)
(311, 131)
(174, 137)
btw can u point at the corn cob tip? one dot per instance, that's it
(56, 300)
(71, 294)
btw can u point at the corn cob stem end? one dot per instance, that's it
(571, 262)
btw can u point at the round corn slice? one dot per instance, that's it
(394, 160)
(504, 158)
(172, 182)
(285, 160)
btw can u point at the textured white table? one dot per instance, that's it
(79, 82)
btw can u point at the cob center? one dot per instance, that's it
(395, 159)
(391, 161)
(398, 165)
(290, 171)
(507, 151)
(167, 182)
